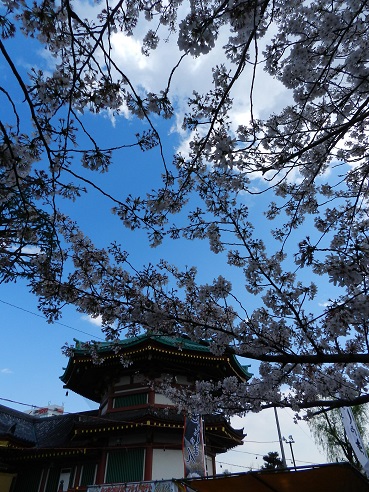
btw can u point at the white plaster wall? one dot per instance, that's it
(209, 466)
(162, 400)
(167, 464)
(123, 380)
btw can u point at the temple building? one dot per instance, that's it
(135, 435)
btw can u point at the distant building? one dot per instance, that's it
(135, 435)
(48, 411)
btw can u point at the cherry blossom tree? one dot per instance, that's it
(303, 164)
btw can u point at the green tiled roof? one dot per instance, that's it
(184, 343)
(180, 343)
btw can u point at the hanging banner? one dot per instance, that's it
(193, 447)
(354, 437)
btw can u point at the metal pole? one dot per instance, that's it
(280, 439)
(290, 442)
(293, 456)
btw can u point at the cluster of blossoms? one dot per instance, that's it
(307, 164)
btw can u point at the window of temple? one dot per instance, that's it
(125, 465)
(53, 479)
(131, 400)
(88, 474)
(64, 479)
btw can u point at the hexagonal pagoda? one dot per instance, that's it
(137, 432)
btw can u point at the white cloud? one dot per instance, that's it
(324, 304)
(152, 73)
(128, 50)
(31, 250)
(6, 370)
(94, 321)
(193, 74)
(27, 250)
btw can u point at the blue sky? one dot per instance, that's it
(31, 361)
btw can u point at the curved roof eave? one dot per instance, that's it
(182, 344)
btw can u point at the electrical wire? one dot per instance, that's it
(55, 322)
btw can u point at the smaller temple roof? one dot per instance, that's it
(16, 426)
(20, 429)
(24, 437)
(223, 435)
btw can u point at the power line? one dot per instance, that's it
(238, 466)
(258, 454)
(261, 442)
(55, 322)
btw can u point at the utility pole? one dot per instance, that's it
(290, 442)
(280, 438)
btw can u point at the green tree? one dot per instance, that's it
(272, 461)
(329, 433)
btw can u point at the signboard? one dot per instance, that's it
(161, 486)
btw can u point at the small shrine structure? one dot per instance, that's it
(135, 435)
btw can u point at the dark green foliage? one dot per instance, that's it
(272, 461)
